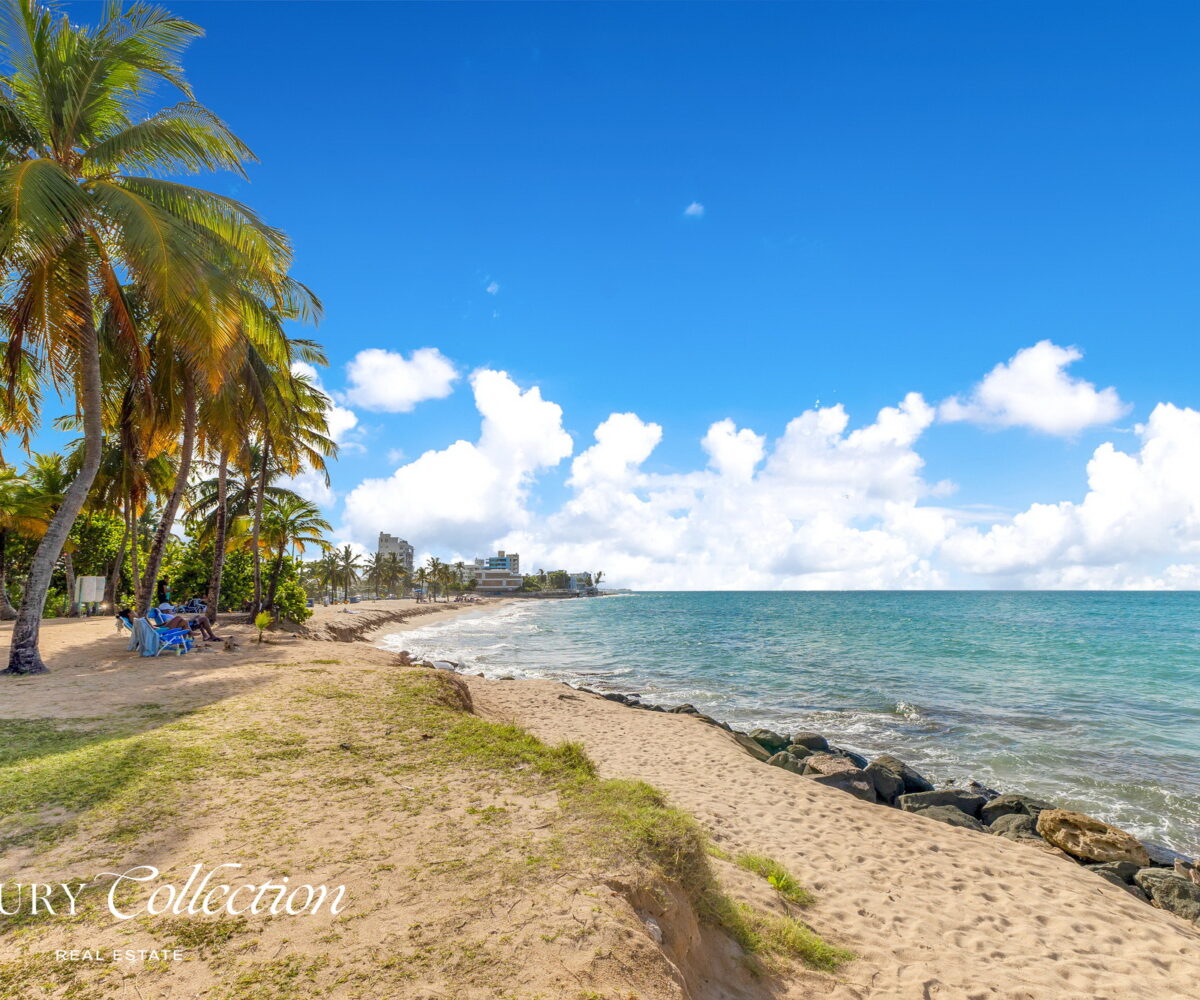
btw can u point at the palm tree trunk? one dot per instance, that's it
(258, 509)
(159, 546)
(276, 569)
(134, 548)
(7, 611)
(218, 566)
(69, 572)
(114, 578)
(24, 656)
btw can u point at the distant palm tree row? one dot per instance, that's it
(158, 307)
(340, 572)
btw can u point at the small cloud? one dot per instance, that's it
(388, 382)
(395, 456)
(492, 288)
(1033, 389)
(695, 210)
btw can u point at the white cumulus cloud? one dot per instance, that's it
(1032, 389)
(389, 382)
(463, 496)
(695, 210)
(826, 504)
(1141, 510)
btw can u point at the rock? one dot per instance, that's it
(612, 696)
(975, 788)
(654, 708)
(956, 797)
(1012, 805)
(851, 780)
(770, 739)
(1189, 870)
(684, 710)
(1163, 857)
(709, 719)
(952, 815)
(752, 747)
(811, 741)
(889, 786)
(798, 750)
(1121, 871)
(787, 761)
(1170, 892)
(1015, 826)
(1089, 839)
(859, 760)
(828, 763)
(913, 781)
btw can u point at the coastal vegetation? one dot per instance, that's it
(160, 309)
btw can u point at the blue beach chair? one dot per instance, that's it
(151, 641)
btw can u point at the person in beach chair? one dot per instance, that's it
(165, 613)
(150, 640)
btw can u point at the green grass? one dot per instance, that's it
(128, 777)
(620, 820)
(778, 876)
(52, 773)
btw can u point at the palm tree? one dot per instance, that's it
(376, 571)
(349, 565)
(79, 223)
(435, 574)
(21, 512)
(421, 579)
(329, 573)
(293, 522)
(49, 477)
(291, 422)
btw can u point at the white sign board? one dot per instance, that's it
(89, 589)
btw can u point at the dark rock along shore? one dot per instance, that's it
(1158, 878)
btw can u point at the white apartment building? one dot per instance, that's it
(391, 545)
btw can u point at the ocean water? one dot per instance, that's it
(1089, 700)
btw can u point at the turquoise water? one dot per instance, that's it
(1090, 700)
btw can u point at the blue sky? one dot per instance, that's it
(896, 198)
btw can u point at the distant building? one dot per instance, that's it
(501, 572)
(501, 560)
(391, 545)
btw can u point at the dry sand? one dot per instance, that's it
(931, 911)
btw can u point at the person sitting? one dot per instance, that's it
(199, 624)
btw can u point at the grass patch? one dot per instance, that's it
(769, 935)
(51, 774)
(623, 821)
(281, 979)
(778, 876)
(207, 934)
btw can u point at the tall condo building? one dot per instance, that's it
(391, 545)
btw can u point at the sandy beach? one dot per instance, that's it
(928, 910)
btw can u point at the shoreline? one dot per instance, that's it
(777, 748)
(929, 909)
